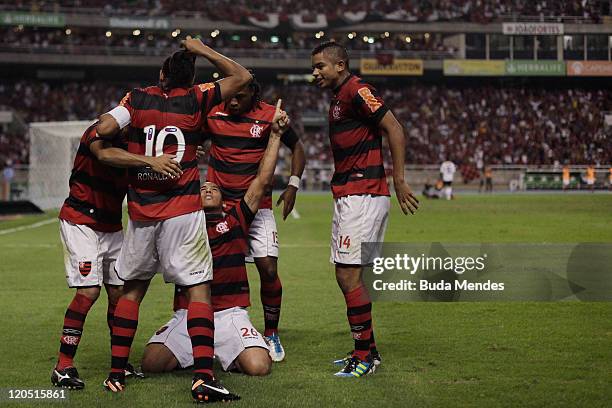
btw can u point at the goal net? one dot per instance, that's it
(53, 146)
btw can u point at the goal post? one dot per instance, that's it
(53, 146)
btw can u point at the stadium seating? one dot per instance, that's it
(408, 10)
(499, 125)
(102, 41)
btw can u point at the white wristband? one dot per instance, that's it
(294, 181)
(121, 115)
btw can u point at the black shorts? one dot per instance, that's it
(447, 183)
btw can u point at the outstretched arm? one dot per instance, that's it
(394, 131)
(268, 163)
(235, 75)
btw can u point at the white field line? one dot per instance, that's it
(27, 227)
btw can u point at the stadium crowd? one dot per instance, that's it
(160, 43)
(500, 125)
(406, 10)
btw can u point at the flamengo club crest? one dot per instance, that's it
(256, 130)
(336, 112)
(222, 227)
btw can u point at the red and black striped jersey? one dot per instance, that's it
(238, 143)
(356, 141)
(96, 190)
(227, 234)
(168, 123)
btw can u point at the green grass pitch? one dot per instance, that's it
(434, 354)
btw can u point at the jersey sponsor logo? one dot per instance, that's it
(256, 130)
(205, 87)
(84, 268)
(369, 99)
(222, 227)
(336, 112)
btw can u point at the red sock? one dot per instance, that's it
(271, 297)
(359, 313)
(73, 329)
(125, 322)
(201, 328)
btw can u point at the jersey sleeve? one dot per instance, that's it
(126, 102)
(368, 104)
(241, 215)
(211, 95)
(289, 138)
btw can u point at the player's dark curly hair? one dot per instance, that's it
(256, 89)
(178, 70)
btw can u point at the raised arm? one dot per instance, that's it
(268, 163)
(394, 131)
(235, 75)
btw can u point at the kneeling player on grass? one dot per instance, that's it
(239, 129)
(237, 343)
(92, 235)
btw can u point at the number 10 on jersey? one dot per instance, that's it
(152, 140)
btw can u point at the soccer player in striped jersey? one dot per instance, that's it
(92, 234)
(239, 131)
(237, 343)
(166, 228)
(358, 118)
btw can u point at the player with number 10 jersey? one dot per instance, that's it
(166, 230)
(166, 123)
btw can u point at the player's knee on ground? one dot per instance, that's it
(254, 361)
(348, 277)
(267, 267)
(91, 293)
(158, 358)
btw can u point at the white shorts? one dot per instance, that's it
(590, 181)
(177, 247)
(89, 255)
(263, 236)
(234, 333)
(566, 182)
(357, 219)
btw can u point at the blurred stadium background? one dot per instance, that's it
(519, 87)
